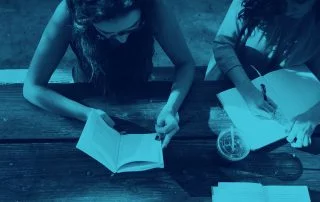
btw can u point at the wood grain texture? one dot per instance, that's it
(134, 113)
(39, 161)
(58, 171)
(201, 115)
(64, 75)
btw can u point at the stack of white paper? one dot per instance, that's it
(254, 192)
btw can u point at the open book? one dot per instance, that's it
(120, 153)
(294, 91)
(255, 192)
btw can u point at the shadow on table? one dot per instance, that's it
(282, 166)
(126, 126)
(197, 175)
(314, 148)
(314, 195)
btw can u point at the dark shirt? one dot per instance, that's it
(112, 66)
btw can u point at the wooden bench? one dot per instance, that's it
(39, 160)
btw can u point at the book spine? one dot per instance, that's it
(117, 154)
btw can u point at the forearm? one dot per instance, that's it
(182, 82)
(227, 60)
(240, 79)
(51, 101)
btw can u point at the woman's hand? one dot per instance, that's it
(104, 116)
(301, 129)
(257, 104)
(167, 125)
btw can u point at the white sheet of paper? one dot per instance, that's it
(141, 149)
(287, 193)
(243, 192)
(138, 151)
(100, 141)
(294, 91)
(238, 191)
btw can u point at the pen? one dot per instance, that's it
(263, 87)
(264, 92)
(232, 139)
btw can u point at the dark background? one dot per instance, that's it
(22, 23)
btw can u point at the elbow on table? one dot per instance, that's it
(29, 91)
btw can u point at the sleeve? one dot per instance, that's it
(226, 38)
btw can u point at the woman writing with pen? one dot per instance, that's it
(263, 35)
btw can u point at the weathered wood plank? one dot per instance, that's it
(166, 73)
(196, 165)
(44, 171)
(60, 172)
(201, 114)
(21, 120)
(14, 76)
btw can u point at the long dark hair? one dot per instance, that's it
(258, 14)
(261, 13)
(87, 12)
(93, 51)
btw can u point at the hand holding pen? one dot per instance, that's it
(264, 92)
(269, 101)
(258, 102)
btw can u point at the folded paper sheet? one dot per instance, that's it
(294, 92)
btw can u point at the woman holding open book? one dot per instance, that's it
(265, 35)
(113, 41)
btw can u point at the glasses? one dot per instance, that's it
(134, 28)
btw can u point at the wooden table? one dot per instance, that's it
(39, 161)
